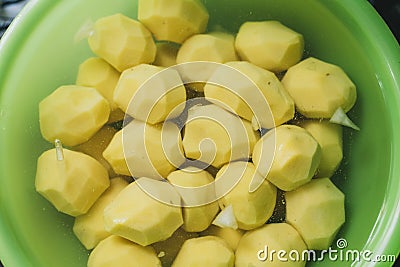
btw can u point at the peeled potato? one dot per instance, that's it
(249, 91)
(216, 136)
(114, 155)
(251, 209)
(288, 156)
(72, 114)
(173, 20)
(142, 149)
(210, 251)
(256, 246)
(197, 216)
(316, 210)
(269, 44)
(72, 183)
(216, 47)
(97, 73)
(117, 251)
(139, 217)
(329, 137)
(122, 42)
(150, 93)
(319, 88)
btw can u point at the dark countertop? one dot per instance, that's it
(388, 9)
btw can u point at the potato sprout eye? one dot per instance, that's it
(59, 150)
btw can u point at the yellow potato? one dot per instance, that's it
(256, 247)
(114, 155)
(269, 44)
(210, 251)
(316, 210)
(196, 215)
(216, 136)
(122, 42)
(150, 93)
(97, 73)
(319, 88)
(243, 98)
(72, 183)
(329, 137)
(216, 47)
(137, 216)
(251, 209)
(288, 156)
(149, 150)
(89, 227)
(72, 114)
(173, 20)
(117, 251)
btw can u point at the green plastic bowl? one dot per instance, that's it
(38, 54)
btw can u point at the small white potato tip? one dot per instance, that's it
(226, 219)
(84, 31)
(59, 150)
(340, 117)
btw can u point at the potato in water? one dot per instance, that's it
(215, 162)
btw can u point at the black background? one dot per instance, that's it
(388, 9)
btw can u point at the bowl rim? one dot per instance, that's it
(385, 234)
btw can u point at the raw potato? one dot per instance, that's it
(216, 136)
(210, 251)
(114, 155)
(122, 42)
(216, 47)
(231, 236)
(260, 243)
(196, 218)
(168, 249)
(251, 209)
(117, 251)
(136, 216)
(295, 156)
(208, 111)
(316, 210)
(72, 114)
(319, 88)
(97, 73)
(89, 227)
(173, 20)
(72, 184)
(279, 101)
(166, 54)
(269, 44)
(149, 150)
(95, 146)
(150, 93)
(329, 137)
